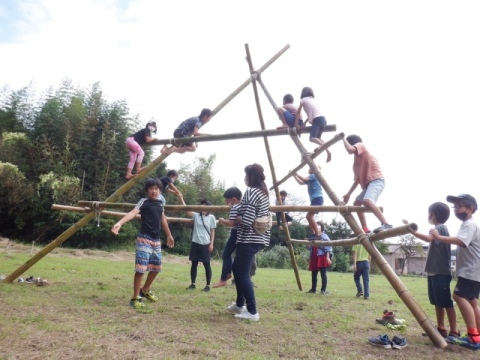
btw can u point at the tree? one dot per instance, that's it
(410, 248)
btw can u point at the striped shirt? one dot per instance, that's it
(254, 204)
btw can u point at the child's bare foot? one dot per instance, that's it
(130, 176)
(220, 283)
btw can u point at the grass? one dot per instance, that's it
(84, 313)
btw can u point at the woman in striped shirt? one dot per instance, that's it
(254, 204)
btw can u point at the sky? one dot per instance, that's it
(403, 75)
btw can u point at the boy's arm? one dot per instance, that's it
(297, 116)
(424, 237)
(346, 197)
(350, 148)
(226, 222)
(446, 239)
(173, 189)
(166, 229)
(189, 213)
(129, 216)
(197, 133)
(301, 180)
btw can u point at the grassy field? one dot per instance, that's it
(83, 314)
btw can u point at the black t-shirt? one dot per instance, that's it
(166, 181)
(139, 136)
(151, 213)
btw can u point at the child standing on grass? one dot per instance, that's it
(467, 289)
(314, 116)
(438, 269)
(134, 147)
(203, 236)
(320, 260)
(316, 198)
(232, 198)
(361, 267)
(148, 249)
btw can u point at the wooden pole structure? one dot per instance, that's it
(376, 256)
(317, 152)
(236, 136)
(270, 162)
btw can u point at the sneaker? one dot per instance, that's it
(365, 298)
(148, 295)
(311, 291)
(464, 341)
(399, 342)
(359, 294)
(191, 287)
(380, 341)
(137, 303)
(325, 292)
(382, 227)
(247, 316)
(206, 288)
(387, 318)
(234, 309)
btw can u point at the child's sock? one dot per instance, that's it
(474, 335)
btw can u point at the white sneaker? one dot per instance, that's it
(234, 309)
(247, 316)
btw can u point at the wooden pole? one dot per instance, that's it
(270, 162)
(377, 257)
(236, 136)
(317, 152)
(226, 209)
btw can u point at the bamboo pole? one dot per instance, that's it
(226, 209)
(235, 136)
(270, 162)
(317, 152)
(376, 256)
(113, 213)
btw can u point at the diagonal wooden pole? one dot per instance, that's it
(272, 167)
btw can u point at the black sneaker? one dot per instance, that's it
(206, 288)
(311, 291)
(360, 294)
(191, 287)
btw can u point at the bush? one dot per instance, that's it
(278, 258)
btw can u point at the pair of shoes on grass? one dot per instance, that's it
(242, 312)
(397, 342)
(193, 287)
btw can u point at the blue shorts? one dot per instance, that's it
(290, 119)
(467, 289)
(318, 125)
(318, 201)
(372, 191)
(148, 254)
(439, 290)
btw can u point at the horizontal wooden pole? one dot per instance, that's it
(382, 235)
(225, 208)
(235, 136)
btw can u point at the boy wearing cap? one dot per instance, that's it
(203, 236)
(188, 128)
(134, 147)
(467, 289)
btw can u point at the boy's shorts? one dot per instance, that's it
(318, 125)
(318, 201)
(290, 119)
(439, 290)
(148, 254)
(179, 134)
(372, 191)
(467, 289)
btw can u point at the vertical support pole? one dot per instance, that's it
(272, 168)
